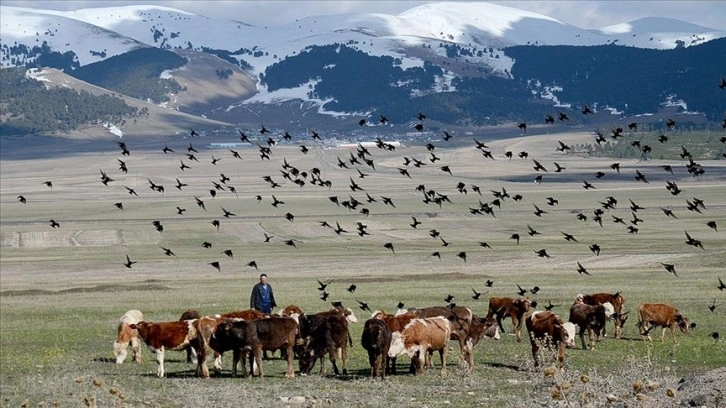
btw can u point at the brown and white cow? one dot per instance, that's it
(546, 329)
(190, 314)
(167, 335)
(591, 318)
(395, 323)
(290, 310)
(616, 300)
(254, 336)
(126, 336)
(323, 335)
(660, 315)
(460, 318)
(376, 339)
(419, 336)
(516, 308)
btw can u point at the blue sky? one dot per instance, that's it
(582, 13)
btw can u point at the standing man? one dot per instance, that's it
(262, 298)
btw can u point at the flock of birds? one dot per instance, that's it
(360, 164)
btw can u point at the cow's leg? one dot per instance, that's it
(289, 356)
(258, 360)
(236, 357)
(535, 352)
(160, 362)
(421, 361)
(344, 358)
(373, 362)
(517, 324)
(561, 355)
(136, 349)
(442, 354)
(218, 363)
(333, 357)
(202, 369)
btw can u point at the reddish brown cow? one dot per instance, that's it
(588, 317)
(615, 299)
(167, 335)
(376, 339)
(663, 315)
(548, 330)
(126, 336)
(516, 308)
(421, 335)
(254, 336)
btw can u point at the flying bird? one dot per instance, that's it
(721, 285)
(363, 306)
(476, 294)
(670, 268)
(168, 252)
(22, 199)
(521, 291)
(206, 244)
(713, 306)
(389, 245)
(228, 252)
(252, 264)
(489, 283)
(712, 224)
(462, 255)
(352, 288)
(448, 298)
(129, 262)
(54, 223)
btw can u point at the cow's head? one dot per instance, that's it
(568, 334)
(682, 323)
(350, 316)
(397, 345)
(307, 360)
(492, 328)
(119, 350)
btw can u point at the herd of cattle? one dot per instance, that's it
(414, 332)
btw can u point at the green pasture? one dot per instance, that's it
(62, 290)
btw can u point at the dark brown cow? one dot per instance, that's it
(376, 339)
(190, 314)
(250, 314)
(323, 334)
(662, 315)
(591, 318)
(126, 336)
(419, 336)
(547, 329)
(254, 336)
(167, 335)
(615, 299)
(516, 308)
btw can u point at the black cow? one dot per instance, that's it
(376, 339)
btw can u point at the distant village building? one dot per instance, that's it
(229, 145)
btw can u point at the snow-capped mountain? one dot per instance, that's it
(427, 50)
(93, 33)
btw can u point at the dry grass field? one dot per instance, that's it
(63, 289)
